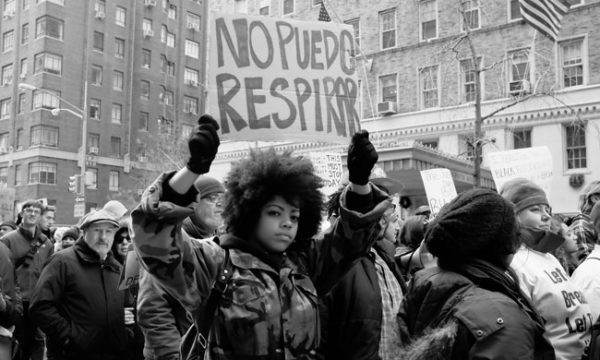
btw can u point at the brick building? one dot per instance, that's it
(415, 67)
(140, 64)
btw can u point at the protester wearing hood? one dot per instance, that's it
(470, 305)
(77, 302)
(545, 283)
(268, 309)
(162, 319)
(581, 226)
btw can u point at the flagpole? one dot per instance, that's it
(532, 60)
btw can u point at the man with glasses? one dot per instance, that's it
(30, 249)
(161, 318)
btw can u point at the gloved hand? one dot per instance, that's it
(362, 156)
(203, 144)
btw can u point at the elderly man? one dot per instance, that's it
(161, 318)
(76, 301)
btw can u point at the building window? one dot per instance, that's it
(18, 175)
(119, 48)
(42, 173)
(145, 90)
(143, 121)
(146, 58)
(24, 34)
(522, 138)
(388, 88)
(146, 26)
(21, 104)
(165, 96)
(288, 7)
(193, 21)
(115, 146)
(572, 62)
(428, 80)
(48, 63)
(44, 135)
(514, 10)
(19, 140)
(7, 75)
(94, 109)
(10, 6)
(387, 25)
(120, 15)
(3, 176)
(93, 143)
(190, 105)
(467, 77)
(116, 113)
(166, 66)
(186, 131)
(4, 142)
(192, 49)
(113, 181)
(96, 75)
(428, 19)
(100, 6)
(172, 12)
(165, 125)
(190, 76)
(470, 17)
(91, 178)
(576, 149)
(519, 72)
(117, 80)
(5, 108)
(25, 4)
(23, 68)
(167, 37)
(8, 41)
(49, 26)
(46, 99)
(98, 43)
(355, 23)
(264, 10)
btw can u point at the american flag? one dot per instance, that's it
(544, 15)
(323, 14)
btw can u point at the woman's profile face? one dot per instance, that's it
(536, 216)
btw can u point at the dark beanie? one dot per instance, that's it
(477, 224)
(207, 185)
(523, 193)
(10, 223)
(73, 233)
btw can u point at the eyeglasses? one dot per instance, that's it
(214, 198)
(32, 211)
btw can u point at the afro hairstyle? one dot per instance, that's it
(264, 174)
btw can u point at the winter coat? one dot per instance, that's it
(347, 283)
(9, 290)
(487, 324)
(268, 310)
(19, 242)
(79, 307)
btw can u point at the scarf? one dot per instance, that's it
(543, 241)
(194, 230)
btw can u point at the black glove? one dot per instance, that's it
(362, 156)
(203, 144)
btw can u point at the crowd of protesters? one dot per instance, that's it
(245, 269)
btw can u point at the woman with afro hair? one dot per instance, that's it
(272, 207)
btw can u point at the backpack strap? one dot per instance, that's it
(205, 318)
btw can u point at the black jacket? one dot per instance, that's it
(78, 305)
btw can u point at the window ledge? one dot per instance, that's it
(584, 171)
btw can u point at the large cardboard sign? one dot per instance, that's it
(329, 167)
(279, 79)
(533, 163)
(439, 188)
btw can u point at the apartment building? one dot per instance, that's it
(127, 70)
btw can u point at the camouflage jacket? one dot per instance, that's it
(265, 313)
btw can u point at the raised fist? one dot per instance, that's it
(203, 144)
(362, 156)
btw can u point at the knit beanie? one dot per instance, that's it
(9, 223)
(207, 185)
(477, 224)
(523, 193)
(73, 233)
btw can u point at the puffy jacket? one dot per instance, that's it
(266, 311)
(19, 242)
(79, 307)
(9, 291)
(347, 282)
(490, 324)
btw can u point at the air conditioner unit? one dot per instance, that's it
(7, 83)
(148, 33)
(93, 150)
(100, 15)
(22, 75)
(387, 107)
(193, 83)
(142, 159)
(146, 66)
(150, 3)
(193, 26)
(519, 87)
(7, 14)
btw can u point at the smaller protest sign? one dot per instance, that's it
(439, 188)
(130, 275)
(533, 163)
(328, 166)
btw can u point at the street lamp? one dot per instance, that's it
(78, 112)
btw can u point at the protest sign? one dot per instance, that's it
(328, 166)
(533, 163)
(130, 275)
(439, 188)
(280, 79)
